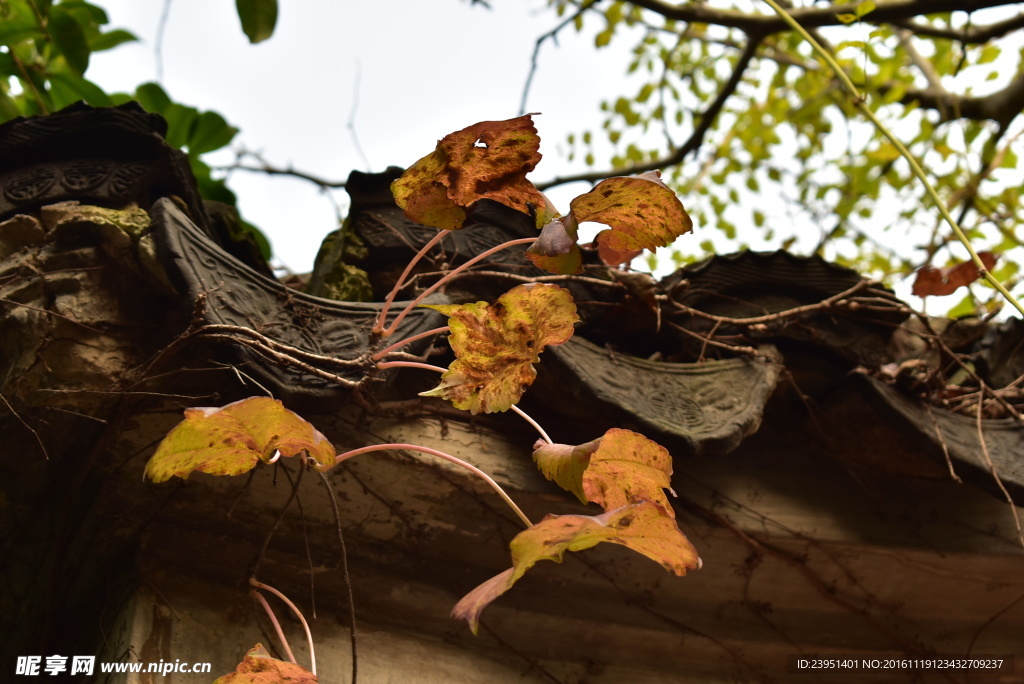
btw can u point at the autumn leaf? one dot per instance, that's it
(497, 344)
(230, 440)
(642, 211)
(617, 468)
(931, 281)
(614, 257)
(488, 160)
(556, 250)
(642, 526)
(259, 668)
(564, 464)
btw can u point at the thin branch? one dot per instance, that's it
(351, 123)
(995, 475)
(550, 35)
(27, 426)
(810, 17)
(440, 454)
(969, 35)
(346, 577)
(377, 356)
(266, 167)
(455, 271)
(707, 119)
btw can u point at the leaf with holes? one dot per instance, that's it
(230, 440)
(931, 281)
(642, 211)
(642, 526)
(259, 668)
(488, 160)
(497, 344)
(617, 468)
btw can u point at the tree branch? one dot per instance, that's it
(969, 35)
(696, 138)
(811, 17)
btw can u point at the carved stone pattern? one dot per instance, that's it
(711, 406)
(241, 297)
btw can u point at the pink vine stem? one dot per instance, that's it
(277, 625)
(448, 276)
(298, 614)
(398, 345)
(440, 454)
(426, 366)
(379, 328)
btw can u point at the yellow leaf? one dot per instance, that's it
(231, 439)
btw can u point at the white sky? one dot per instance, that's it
(412, 71)
(420, 70)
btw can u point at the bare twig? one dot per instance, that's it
(550, 35)
(27, 426)
(995, 476)
(346, 577)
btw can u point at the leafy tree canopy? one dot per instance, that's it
(762, 142)
(733, 106)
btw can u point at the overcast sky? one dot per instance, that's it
(406, 72)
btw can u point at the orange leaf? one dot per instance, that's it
(230, 440)
(611, 256)
(497, 344)
(259, 668)
(642, 211)
(488, 160)
(931, 281)
(643, 526)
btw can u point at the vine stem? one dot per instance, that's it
(397, 345)
(860, 103)
(427, 366)
(277, 625)
(309, 636)
(531, 421)
(440, 454)
(462, 267)
(379, 327)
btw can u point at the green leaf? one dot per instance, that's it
(68, 88)
(8, 108)
(179, 123)
(258, 18)
(16, 30)
(69, 39)
(209, 132)
(111, 39)
(230, 440)
(846, 18)
(497, 344)
(642, 526)
(153, 98)
(864, 8)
